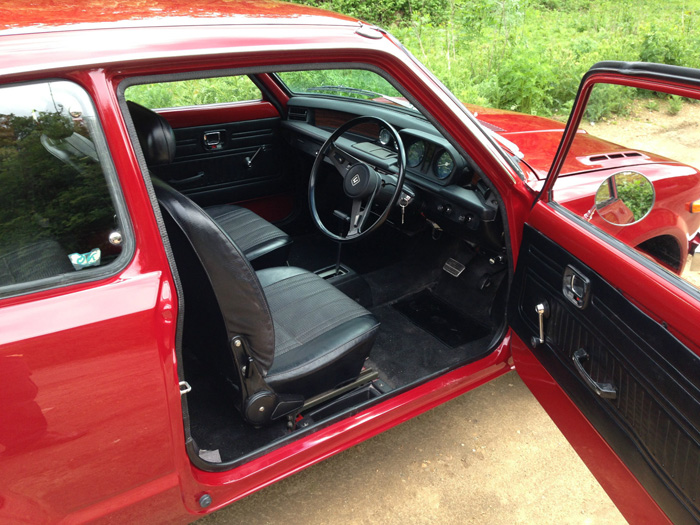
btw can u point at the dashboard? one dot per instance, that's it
(445, 184)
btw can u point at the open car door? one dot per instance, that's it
(606, 318)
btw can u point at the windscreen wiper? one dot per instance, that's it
(358, 91)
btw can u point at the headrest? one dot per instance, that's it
(155, 134)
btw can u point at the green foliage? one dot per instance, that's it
(530, 55)
(636, 192)
(652, 105)
(43, 197)
(662, 47)
(524, 55)
(194, 92)
(606, 99)
(389, 12)
(315, 81)
(675, 103)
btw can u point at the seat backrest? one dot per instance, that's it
(238, 292)
(197, 239)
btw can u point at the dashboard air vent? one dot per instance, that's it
(295, 113)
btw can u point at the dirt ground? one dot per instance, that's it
(490, 456)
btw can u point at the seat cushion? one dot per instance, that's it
(263, 243)
(32, 261)
(322, 337)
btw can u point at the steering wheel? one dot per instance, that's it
(361, 182)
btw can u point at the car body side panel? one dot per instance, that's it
(86, 394)
(115, 454)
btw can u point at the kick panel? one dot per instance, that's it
(633, 380)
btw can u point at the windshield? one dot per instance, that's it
(347, 83)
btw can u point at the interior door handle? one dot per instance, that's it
(604, 390)
(576, 287)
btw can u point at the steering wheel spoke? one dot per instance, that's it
(358, 215)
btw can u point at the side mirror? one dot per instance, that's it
(625, 198)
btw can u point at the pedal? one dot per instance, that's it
(453, 267)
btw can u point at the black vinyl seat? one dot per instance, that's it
(290, 335)
(319, 332)
(263, 243)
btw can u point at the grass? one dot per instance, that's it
(522, 55)
(529, 56)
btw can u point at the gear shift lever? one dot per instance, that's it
(337, 260)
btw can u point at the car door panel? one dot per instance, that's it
(237, 160)
(211, 114)
(651, 423)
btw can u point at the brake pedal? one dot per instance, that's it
(453, 267)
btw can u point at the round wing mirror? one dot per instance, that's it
(625, 198)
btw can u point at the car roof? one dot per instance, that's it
(34, 16)
(43, 36)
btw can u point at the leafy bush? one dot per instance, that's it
(530, 55)
(675, 104)
(194, 92)
(636, 192)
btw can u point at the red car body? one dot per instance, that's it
(90, 403)
(591, 161)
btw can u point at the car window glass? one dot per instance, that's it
(631, 171)
(57, 213)
(349, 83)
(194, 92)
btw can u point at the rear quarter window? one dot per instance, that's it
(61, 217)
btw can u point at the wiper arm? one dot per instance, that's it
(345, 89)
(367, 93)
(512, 148)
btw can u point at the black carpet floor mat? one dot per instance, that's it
(404, 352)
(440, 319)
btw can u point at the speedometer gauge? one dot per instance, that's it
(415, 154)
(444, 165)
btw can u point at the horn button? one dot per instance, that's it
(360, 181)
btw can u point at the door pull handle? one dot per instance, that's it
(604, 390)
(188, 180)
